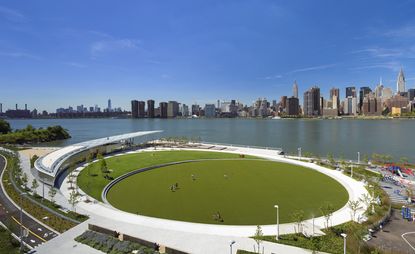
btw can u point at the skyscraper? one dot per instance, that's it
(134, 108)
(295, 89)
(293, 106)
(350, 91)
(364, 90)
(141, 109)
(312, 102)
(150, 108)
(335, 97)
(163, 109)
(210, 110)
(172, 109)
(109, 105)
(400, 83)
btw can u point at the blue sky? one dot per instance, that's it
(60, 53)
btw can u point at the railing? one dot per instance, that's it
(242, 146)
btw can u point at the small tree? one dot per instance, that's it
(330, 158)
(258, 236)
(103, 167)
(354, 206)
(298, 217)
(33, 160)
(52, 193)
(327, 210)
(73, 199)
(367, 200)
(24, 180)
(34, 186)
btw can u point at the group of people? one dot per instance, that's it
(174, 187)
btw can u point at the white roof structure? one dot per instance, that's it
(50, 163)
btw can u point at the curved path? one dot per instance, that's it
(355, 189)
(10, 215)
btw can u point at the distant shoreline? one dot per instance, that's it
(250, 118)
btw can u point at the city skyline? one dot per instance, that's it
(239, 49)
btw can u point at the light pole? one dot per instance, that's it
(373, 197)
(230, 244)
(278, 222)
(344, 237)
(351, 174)
(299, 152)
(21, 221)
(358, 157)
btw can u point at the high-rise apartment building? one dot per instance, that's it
(141, 109)
(210, 110)
(335, 97)
(163, 109)
(312, 99)
(350, 91)
(362, 94)
(293, 106)
(411, 94)
(134, 109)
(172, 109)
(150, 108)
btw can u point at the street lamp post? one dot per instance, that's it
(358, 157)
(373, 197)
(344, 244)
(299, 152)
(278, 222)
(21, 221)
(351, 174)
(230, 245)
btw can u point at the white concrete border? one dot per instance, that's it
(355, 189)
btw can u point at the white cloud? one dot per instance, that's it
(101, 46)
(12, 15)
(313, 68)
(391, 65)
(277, 76)
(75, 64)
(16, 54)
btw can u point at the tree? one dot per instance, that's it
(73, 199)
(52, 193)
(103, 167)
(358, 232)
(4, 127)
(33, 160)
(366, 158)
(34, 186)
(367, 200)
(330, 158)
(354, 206)
(298, 217)
(24, 180)
(258, 236)
(327, 210)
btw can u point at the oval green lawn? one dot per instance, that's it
(92, 181)
(246, 196)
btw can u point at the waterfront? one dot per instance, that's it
(340, 137)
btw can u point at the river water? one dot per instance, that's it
(342, 138)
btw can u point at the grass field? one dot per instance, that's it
(91, 180)
(246, 196)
